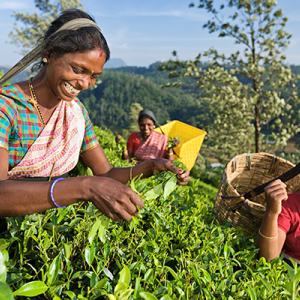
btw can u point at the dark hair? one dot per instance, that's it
(145, 116)
(80, 40)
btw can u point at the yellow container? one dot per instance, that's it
(191, 139)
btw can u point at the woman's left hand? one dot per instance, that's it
(161, 164)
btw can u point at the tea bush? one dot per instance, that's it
(174, 249)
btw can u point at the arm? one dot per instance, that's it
(272, 238)
(19, 198)
(96, 160)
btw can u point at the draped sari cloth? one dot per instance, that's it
(153, 147)
(58, 144)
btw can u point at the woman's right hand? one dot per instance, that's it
(275, 192)
(114, 199)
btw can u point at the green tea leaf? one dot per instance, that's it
(108, 274)
(32, 289)
(100, 284)
(125, 275)
(103, 227)
(3, 244)
(147, 296)
(89, 254)
(71, 295)
(5, 292)
(125, 295)
(67, 250)
(166, 297)
(148, 275)
(266, 284)
(170, 186)
(137, 288)
(154, 193)
(53, 270)
(94, 230)
(120, 287)
(3, 269)
(89, 172)
(251, 293)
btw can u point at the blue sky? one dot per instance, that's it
(143, 32)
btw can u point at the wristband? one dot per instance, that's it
(51, 192)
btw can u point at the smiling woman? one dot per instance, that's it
(45, 129)
(147, 144)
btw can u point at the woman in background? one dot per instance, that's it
(147, 143)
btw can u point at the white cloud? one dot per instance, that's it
(12, 5)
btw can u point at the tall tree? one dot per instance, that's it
(240, 113)
(36, 24)
(135, 109)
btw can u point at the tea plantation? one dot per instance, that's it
(174, 249)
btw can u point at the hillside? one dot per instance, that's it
(109, 104)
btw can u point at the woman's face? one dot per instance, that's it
(66, 76)
(146, 127)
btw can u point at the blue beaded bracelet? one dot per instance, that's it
(51, 192)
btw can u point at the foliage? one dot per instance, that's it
(36, 24)
(174, 249)
(203, 171)
(135, 109)
(239, 112)
(110, 103)
(172, 142)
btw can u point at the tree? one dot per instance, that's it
(135, 109)
(240, 114)
(36, 24)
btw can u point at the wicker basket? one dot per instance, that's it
(191, 139)
(242, 174)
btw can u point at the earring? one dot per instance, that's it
(45, 60)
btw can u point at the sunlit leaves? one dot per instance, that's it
(238, 113)
(31, 289)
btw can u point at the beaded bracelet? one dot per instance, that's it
(266, 237)
(51, 192)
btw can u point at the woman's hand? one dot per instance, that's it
(176, 142)
(114, 199)
(275, 192)
(118, 138)
(161, 164)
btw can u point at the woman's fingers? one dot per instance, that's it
(137, 201)
(114, 199)
(184, 177)
(275, 192)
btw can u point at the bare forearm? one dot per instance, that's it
(270, 246)
(123, 174)
(19, 198)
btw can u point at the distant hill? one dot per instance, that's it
(115, 63)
